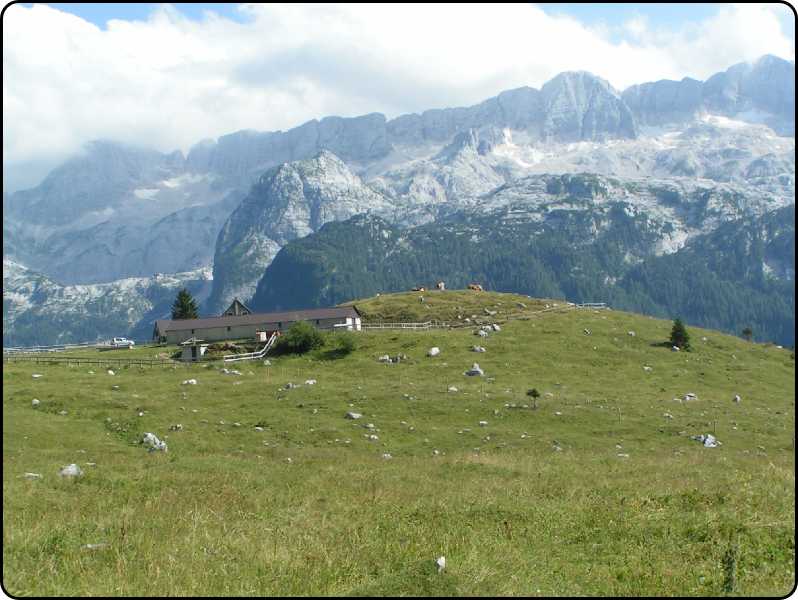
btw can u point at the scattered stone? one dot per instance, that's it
(667, 415)
(483, 423)
(236, 424)
(558, 413)
(434, 351)
(704, 339)
(35, 402)
(32, 476)
(436, 452)
(36, 375)
(153, 443)
(63, 413)
(387, 456)
(384, 359)
(674, 348)
(440, 563)
(372, 437)
(474, 370)
(258, 428)
(647, 369)
(481, 333)
(110, 372)
(310, 382)
(452, 389)
(622, 455)
(630, 333)
(141, 414)
(99, 546)
(352, 415)
(496, 327)
(369, 426)
(708, 440)
(477, 349)
(71, 470)
(289, 460)
(190, 382)
(290, 386)
(690, 396)
(488, 312)
(520, 305)
(737, 398)
(114, 387)
(267, 363)
(587, 331)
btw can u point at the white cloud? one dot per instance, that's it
(170, 81)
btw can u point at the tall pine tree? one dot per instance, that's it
(184, 307)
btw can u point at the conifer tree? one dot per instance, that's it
(679, 336)
(184, 307)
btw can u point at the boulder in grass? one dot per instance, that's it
(708, 440)
(35, 402)
(32, 476)
(36, 375)
(477, 349)
(630, 333)
(737, 398)
(384, 359)
(440, 563)
(496, 327)
(110, 372)
(481, 333)
(475, 370)
(434, 351)
(153, 443)
(352, 415)
(310, 382)
(71, 470)
(190, 382)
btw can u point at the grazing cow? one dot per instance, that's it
(419, 289)
(476, 287)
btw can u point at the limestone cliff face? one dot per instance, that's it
(288, 201)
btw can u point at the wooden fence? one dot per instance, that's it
(84, 360)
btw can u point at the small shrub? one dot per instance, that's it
(300, 338)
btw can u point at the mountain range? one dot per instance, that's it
(629, 181)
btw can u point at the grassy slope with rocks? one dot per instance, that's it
(224, 512)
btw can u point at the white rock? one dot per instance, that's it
(440, 562)
(675, 348)
(110, 372)
(190, 382)
(153, 443)
(474, 370)
(477, 349)
(482, 333)
(434, 351)
(36, 375)
(737, 398)
(32, 476)
(387, 456)
(452, 389)
(373, 437)
(177, 427)
(352, 415)
(647, 369)
(71, 470)
(384, 359)
(496, 327)
(310, 382)
(35, 402)
(258, 428)
(483, 423)
(631, 333)
(99, 546)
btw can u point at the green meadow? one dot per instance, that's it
(595, 488)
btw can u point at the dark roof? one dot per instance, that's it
(164, 325)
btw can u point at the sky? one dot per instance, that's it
(166, 76)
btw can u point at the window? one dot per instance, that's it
(192, 331)
(317, 321)
(228, 328)
(280, 325)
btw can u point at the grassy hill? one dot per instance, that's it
(599, 491)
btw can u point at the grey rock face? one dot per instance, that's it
(664, 101)
(580, 106)
(288, 201)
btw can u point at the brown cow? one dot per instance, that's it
(475, 286)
